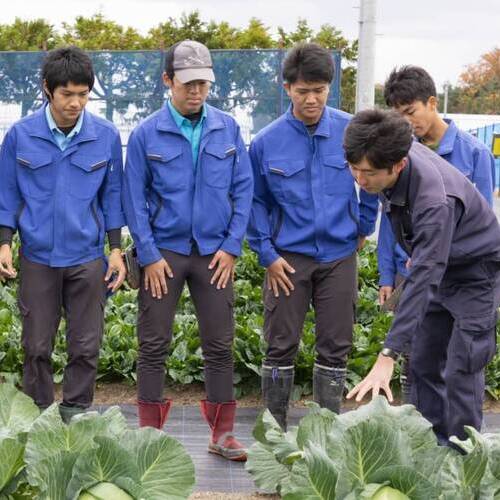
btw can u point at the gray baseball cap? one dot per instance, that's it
(192, 61)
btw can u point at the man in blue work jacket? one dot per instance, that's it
(412, 92)
(306, 225)
(447, 313)
(187, 197)
(61, 171)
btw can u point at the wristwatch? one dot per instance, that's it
(390, 353)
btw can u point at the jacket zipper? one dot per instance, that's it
(157, 211)
(351, 214)
(94, 215)
(20, 211)
(277, 229)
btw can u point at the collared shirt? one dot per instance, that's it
(190, 132)
(61, 138)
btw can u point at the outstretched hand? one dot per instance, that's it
(378, 379)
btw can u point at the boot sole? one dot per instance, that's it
(217, 451)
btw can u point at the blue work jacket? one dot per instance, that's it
(305, 200)
(473, 159)
(171, 205)
(61, 202)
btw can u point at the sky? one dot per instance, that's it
(443, 36)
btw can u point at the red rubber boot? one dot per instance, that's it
(220, 418)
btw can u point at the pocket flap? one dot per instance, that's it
(335, 161)
(286, 168)
(88, 163)
(34, 160)
(478, 324)
(220, 151)
(164, 155)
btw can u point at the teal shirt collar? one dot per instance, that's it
(59, 136)
(182, 120)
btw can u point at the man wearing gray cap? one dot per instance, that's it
(187, 196)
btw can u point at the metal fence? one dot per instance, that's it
(485, 134)
(129, 87)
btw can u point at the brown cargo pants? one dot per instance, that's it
(214, 311)
(331, 287)
(44, 293)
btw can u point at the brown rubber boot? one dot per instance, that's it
(220, 418)
(153, 414)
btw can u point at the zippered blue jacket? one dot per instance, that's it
(305, 200)
(171, 205)
(474, 160)
(61, 202)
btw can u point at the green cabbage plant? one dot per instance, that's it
(377, 452)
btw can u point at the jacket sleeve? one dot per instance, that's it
(110, 192)
(483, 175)
(241, 197)
(432, 236)
(386, 248)
(368, 211)
(135, 184)
(259, 228)
(10, 196)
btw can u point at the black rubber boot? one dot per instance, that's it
(328, 386)
(277, 384)
(67, 412)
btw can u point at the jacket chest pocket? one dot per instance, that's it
(288, 180)
(37, 174)
(338, 179)
(168, 169)
(217, 165)
(86, 174)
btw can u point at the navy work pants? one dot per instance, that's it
(452, 347)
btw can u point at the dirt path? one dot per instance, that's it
(119, 392)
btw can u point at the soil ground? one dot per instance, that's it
(119, 392)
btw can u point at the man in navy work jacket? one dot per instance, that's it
(187, 197)
(61, 171)
(412, 92)
(447, 312)
(306, 225)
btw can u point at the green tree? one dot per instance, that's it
(99, 33)
(28, 35)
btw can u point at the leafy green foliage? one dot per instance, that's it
(118, 355)
(94, 456)
(377, 451)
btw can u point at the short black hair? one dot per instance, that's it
(407, 85)
(308, 62)
(382, 137)
(65, 65)
(169, 61)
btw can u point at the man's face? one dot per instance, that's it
(67, 102)
(420, 115)
(308, 99)
(187, 98)
(374, 180)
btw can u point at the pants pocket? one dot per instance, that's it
(478, 339)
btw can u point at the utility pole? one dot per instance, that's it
(365, 83)
(446, 86)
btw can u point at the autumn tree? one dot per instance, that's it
(479, 86)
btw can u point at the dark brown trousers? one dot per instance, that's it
(214, 311)
(44, 293)
(331, 287)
